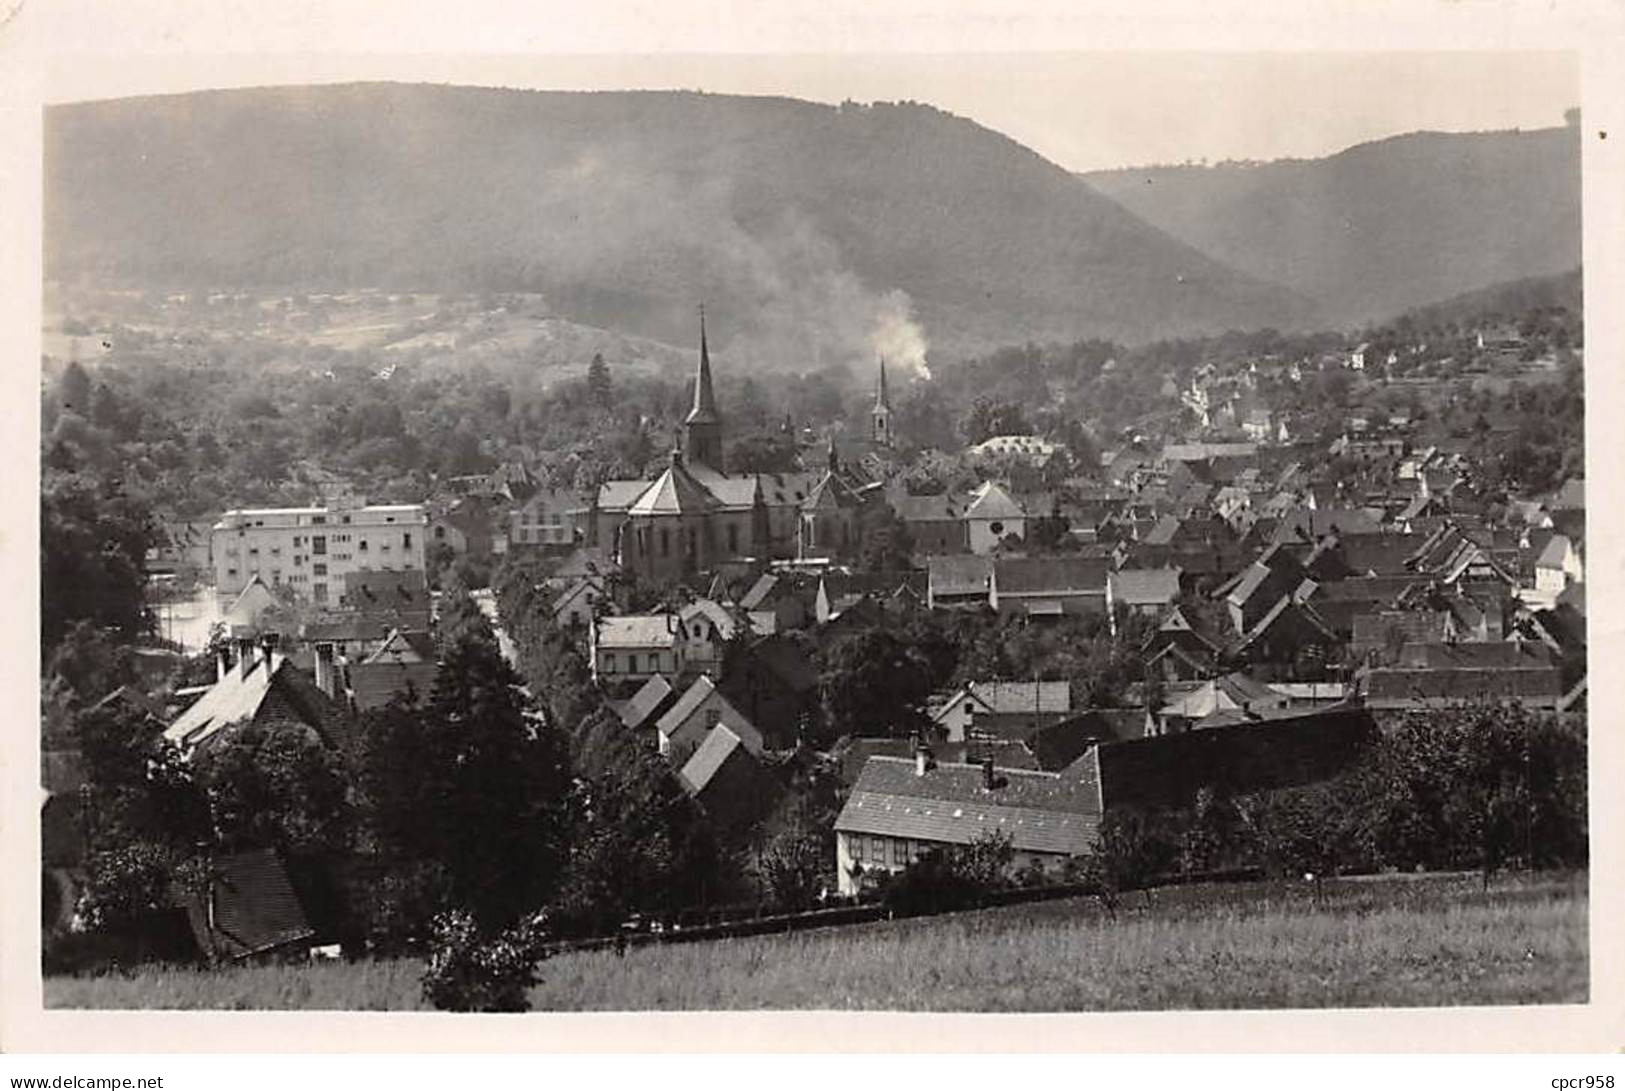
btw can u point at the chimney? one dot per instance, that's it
(324, 668)
(245, 656)
(222, 664)
(268, 646)
(987, 773)
(923, 762)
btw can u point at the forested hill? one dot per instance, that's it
(1381, 227)
(626, 208)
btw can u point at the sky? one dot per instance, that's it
(1083, 110)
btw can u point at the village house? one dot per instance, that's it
(902, 808)
(992, 516)
(1147, 592)
(955, 717)
(701, 707)
(936, 524)
(958, 582)
(261, 687)
(728, 779)
(551, 519)
(630, 649)
(1048, 586)
(1441, 675)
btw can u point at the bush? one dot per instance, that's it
(468, 972)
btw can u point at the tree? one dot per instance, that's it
(275, 786)
(472, 782)
(885, 543)
(93, 546)
(873, 683)
(598, 382)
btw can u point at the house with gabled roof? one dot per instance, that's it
(248, 908)
(1148, 592)
(962, 581)
(702, 706)
(1177, 652)
(1440, 675)
(1049, 586)
(264, 688)
(402, 667)
(992, 516)
(900, 809)
(936, 524)
(650, 701)
(728, 779)
(1256, 589)
(630, 648)
(1195, 705)
(956, 716)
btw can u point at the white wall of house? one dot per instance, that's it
(985, 534)
(310, 550)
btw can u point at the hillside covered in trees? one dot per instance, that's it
(1381, 227)
(814, 231)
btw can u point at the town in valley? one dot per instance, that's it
(452, 625)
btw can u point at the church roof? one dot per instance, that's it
(675, 492)
(731, 491)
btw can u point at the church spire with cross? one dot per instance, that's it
(703, 426)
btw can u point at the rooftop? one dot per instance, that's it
(1040, 812)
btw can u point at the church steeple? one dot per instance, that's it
(703, 426)
(880, 417)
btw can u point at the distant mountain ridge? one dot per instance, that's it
(815, 233)
(1382, 227)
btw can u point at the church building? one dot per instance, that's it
(696, 515)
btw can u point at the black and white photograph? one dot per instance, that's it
(1090, 531)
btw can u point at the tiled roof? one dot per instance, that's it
(404, 647)
(650, 698)
(674, 492)
(619, 495)
(724, 622)
(1144, 586)
(923, 509)
(1374, 630)
(399, 591)
(1202, 452)
(232, 699)
(1163, 533)
(637, 631)
(1556, 551)
(991, 501)
(254, 910)
(1039, 812)
(1021, 696)
(718, 746)
(766, 584)
(786, 490)
(1232, 691)
(695, 695)
(727, 491)
(1050, 575)
(960, 575)
(375, 684)
(1399, 687)
(1475, 655)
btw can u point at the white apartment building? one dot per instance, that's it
(311, 550)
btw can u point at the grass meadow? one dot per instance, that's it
(1390, 941)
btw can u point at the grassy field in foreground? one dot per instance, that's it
(1438, 940)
